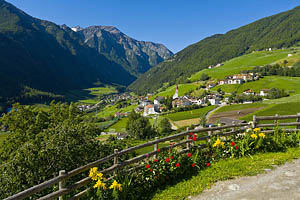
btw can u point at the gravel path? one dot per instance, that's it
(282, 183)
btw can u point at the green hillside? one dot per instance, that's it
(182, 89)
(246, 62)
(277, 31)
(290, 84)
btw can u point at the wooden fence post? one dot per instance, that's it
(209, 133)
(115, 159)
(188, 146)
(275, 121)
(156, 147)
(298, 120)
(254, 122)
(62, 183)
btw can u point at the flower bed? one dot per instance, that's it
(172, 166)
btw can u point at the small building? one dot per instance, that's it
(159, 100)
(264, 92)
(122, 136)
(248, 92)
(223, 82)
(151, 110)
(181, 102)
(214, 101)
(211, 85)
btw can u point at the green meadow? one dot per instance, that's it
(245, 62)
(182, 89)
(191, 114)
(290, 84)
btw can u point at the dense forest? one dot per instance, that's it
(278, 31)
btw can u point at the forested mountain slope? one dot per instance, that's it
(44, 56)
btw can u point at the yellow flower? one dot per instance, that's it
(256, 129)
(254, 136)
(262, 135)
(103, 186)
(100, 176)
(93, 173)
(98, 184)
(218, 143)
(116, 186)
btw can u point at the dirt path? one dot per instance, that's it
(282, 183)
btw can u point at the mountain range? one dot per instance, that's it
(41, 57)
(277, 31)
(135, 56)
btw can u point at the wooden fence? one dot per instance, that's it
(226, 130)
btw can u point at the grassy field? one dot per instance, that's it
(239, 107)
(245, 62)
(224, 170)
(182, 89)
(280, 109)
(89, 96)
(111, 110)
(197, 113)
(120, 126)
(290, 84)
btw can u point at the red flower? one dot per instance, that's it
(147, 166)
(232, 143)
(208, 164)
(191, 133)
(151, 170)
(236, 147)
(190, 137)
(194, 138)
(194, 164)
(177, 165)
(171, 157)
(189, 155)
(167, 160)
(157, 150)
(155, 160)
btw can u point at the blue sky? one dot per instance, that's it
(174, 23)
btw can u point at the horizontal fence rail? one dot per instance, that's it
(224, 130)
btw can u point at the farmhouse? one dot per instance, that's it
(181, 102)
(248, 92)
(151, 110)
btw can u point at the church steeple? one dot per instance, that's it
(175, 96)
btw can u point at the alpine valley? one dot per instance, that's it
(41, 61)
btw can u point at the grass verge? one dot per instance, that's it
(226, 169)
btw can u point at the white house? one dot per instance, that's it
(214, 101)
(151, 110)
(264, 92)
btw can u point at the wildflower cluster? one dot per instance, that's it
(98, 177)
(101, 186)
